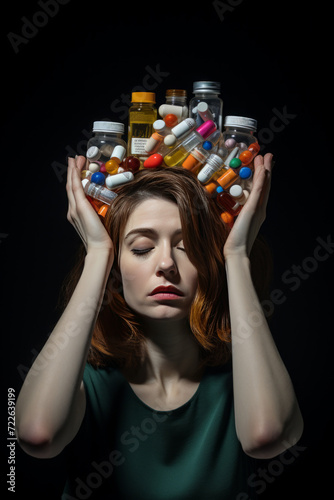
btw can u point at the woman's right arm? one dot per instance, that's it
(51, 403)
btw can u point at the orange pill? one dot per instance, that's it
(111, 167)
(103, 210)
(227, 218)
(170, 120)
(246, 157)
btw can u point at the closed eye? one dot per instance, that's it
(141, 251)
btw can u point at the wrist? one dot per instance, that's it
(103, 254)
(239, 260)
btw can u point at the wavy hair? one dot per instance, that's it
(117, 336)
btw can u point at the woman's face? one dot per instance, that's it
(159, 281)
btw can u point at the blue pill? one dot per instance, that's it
(244, 173)
(207, 145)
(98, 178)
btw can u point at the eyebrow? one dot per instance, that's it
(147, 231)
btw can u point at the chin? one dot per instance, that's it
(163, 313)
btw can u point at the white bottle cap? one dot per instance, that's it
(241, 122)
(159, 125)
(185, 126)
(203, 111)
(236, 191)
(105, 126)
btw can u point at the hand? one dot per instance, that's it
(253, 213)
(80, 213)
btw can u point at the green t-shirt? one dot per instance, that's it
(125, 450)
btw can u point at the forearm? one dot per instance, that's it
(52, 385)
(266, 410)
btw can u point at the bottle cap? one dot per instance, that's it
(206, 86)
(219, 189)
(241, 122)
(143, 97)
(106, 126)
(159, 125)
(206, 128)
(236, 191)
(176, 93)
(215, 160)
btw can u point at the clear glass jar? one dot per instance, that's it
(207, 92)
(238, 132)
(106, 136)
(176, 104)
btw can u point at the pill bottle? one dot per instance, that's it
(176, 104)
(239, 133)
(98, 192)
(106, 136)
(142, 115)
(208, 92)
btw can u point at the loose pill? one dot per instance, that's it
(171, 120)
(169, 140)
(246, 157)
(111, 166)
(230, 143)
(235, 163)
(98, 178)
(117, 180)
(153, 161)
(131, 163)
(93, 153)
(245, 173)
(94, 167)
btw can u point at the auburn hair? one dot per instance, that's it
(117, 336)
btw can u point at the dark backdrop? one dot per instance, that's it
(68, 63)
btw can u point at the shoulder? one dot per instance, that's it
(100, 377)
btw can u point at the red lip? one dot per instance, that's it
(167, 289)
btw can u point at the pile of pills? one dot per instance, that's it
(222, 160)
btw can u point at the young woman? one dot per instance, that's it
(164, 380)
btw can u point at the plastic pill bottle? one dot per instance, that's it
(208, 92)
(106, 136)
(142, 115)
(239, 132)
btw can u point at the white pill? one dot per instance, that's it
(93, 153)
(118, 179)
(169, 140)
(94, 167)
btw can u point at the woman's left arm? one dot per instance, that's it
(267, 415)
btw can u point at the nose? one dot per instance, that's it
(166, 264)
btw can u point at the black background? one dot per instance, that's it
(78, 64)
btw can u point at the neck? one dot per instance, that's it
(171, 352)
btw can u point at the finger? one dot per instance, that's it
(70, 196)
(80, 162)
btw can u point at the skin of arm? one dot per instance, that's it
(51, 403)
(268, 418)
